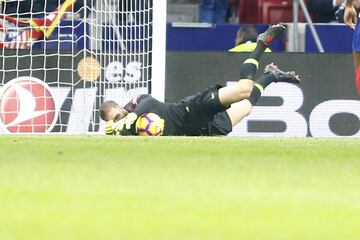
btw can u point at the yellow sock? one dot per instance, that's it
(252, 61)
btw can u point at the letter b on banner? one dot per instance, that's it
(296, 125)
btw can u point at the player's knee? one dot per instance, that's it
(245, 88)
(247, 111)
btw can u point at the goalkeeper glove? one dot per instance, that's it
(114, 128)
(130, 119)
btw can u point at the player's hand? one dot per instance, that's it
(130, 119)
(109, 128)
(350, 17)
(114, 128)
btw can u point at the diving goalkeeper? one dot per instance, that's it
(213, 111)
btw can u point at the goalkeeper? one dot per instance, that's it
(211, 112)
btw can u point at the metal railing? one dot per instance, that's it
(308, 20)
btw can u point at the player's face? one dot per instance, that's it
(116, 113)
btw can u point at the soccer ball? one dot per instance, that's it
(149, 124)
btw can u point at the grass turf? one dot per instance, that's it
(66, 187)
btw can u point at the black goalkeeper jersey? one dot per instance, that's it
(172, 113)
(197, 115)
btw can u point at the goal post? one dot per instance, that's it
(59, 63)
(159, 56)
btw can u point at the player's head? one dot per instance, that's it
(110, 110)
(246, 33)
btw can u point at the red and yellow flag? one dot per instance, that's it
(31, 30)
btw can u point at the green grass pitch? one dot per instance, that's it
(97, 187)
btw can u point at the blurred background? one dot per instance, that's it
(213, 25)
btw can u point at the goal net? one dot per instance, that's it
(61, 60)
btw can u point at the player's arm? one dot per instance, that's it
(144, 106)
(350, 17)
(131, 105)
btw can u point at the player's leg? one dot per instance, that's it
(243, 88)
(239, 110)
(356, 59)
(272, 73)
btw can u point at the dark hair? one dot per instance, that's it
(105, 107)
(249, 32)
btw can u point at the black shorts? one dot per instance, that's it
(205, 114)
